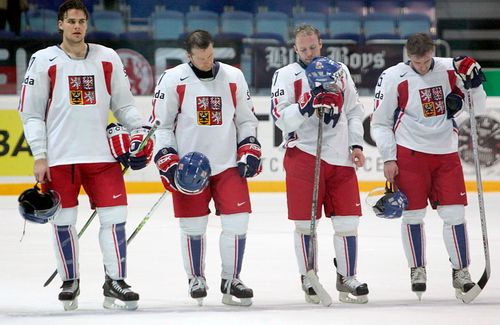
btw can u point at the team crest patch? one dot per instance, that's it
(81, 90)
(209, 110)
(432, 100)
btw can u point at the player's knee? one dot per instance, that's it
(303, 227)
(67, 216)
(236, 224)
(193, 226)
(112, 215)
(413, 217)
(452, 214)
(345, 225)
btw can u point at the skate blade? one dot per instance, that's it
(351, 299)
(199, 301)
(419, 295)
(113, 303)
(70, 304)
(227, 299)
(312, 299)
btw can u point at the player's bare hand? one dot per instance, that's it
(391, 170)
(41, 171)
(358, 157)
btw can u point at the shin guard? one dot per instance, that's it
(302, 239)
(66, 246)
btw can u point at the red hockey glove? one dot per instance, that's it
(332, 103)
(329, 100)
(166, 161)
(468, 69)
(140, 158)
(249, 153)
(119, 142)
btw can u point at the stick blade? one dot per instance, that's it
(324, 297)
(471, 294)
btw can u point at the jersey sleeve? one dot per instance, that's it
(245, 119)
(34, 103)
(165, 110)
(122, 100)
(382, 121)
(284, 107)
(354, 111)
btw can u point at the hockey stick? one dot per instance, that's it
(92, 216)
(146, 218)
(476, 290)
(324, 297)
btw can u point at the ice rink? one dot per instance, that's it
(155, 271)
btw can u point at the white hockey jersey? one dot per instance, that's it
(65, 103)
(288, 84)
(410, 110)
(209, 116)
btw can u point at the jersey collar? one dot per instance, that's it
(431, 68)
(84, 57)
(206, 75)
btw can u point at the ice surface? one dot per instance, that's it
(155, 271)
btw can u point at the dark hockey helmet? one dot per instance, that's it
(326, 73)
(39, 207)
(192, 173)
(392, 203)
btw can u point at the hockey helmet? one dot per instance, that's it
(192, 173)
(37, 206)
(326, 73)
(388, 202)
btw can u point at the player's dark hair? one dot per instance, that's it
(71, 4)
(199, 38)
(419, 44)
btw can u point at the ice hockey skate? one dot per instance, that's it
(69, 294)
(461, 282)
(418, 277)
(198, 289)
(310, 294)
(117, 295)
(351, 290)
(235, 288)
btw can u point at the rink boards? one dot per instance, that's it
(16, 162)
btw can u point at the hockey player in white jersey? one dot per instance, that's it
(205, 106)
(293, 107)
(416, 134)
(66, 96)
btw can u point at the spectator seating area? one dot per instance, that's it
(358, 20)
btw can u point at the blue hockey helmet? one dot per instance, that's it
(326, 73)
(391, 204)
(193, 173)
(37, 206)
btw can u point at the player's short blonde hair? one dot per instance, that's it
(306, 29)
